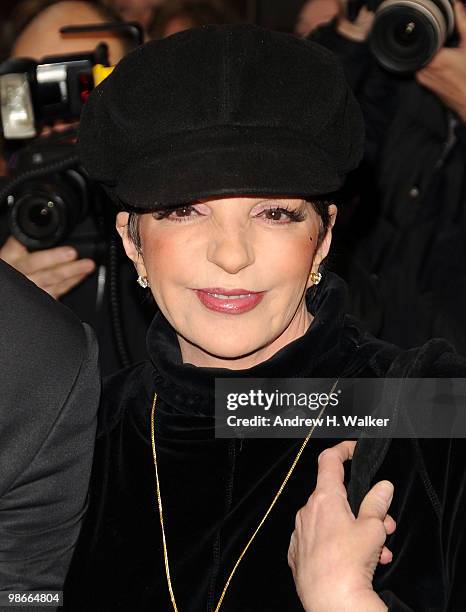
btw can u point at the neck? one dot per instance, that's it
(196, 356)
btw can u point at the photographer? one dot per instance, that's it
(406, 241)
(60, 270)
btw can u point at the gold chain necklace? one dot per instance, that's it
(269, 509)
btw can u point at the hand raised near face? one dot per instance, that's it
(55, 270)
(357, 30)
(445, 75)
(333, 554)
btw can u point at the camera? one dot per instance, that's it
(406, 34)
(51, 201)
(49, 197)
(33, 93)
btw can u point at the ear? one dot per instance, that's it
(324, 247)
(128, 244)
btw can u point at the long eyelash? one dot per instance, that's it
(163, 213)
(296, 215)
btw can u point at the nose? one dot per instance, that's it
(230, 249)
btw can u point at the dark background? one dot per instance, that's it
(275, 14)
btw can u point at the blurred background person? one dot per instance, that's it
(34, 26)
(404, 250)
(174, 16)
(141, 11)
(315, 13)
(77, 282)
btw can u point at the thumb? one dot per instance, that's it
(460, 18)
(377, 502)
(12, 251)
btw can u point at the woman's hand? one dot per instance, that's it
(332, 554)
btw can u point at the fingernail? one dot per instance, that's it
(69, 253)
(87, 265)
(386, 490)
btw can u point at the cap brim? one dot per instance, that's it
(248, 169)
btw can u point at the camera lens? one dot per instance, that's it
(43, 214)
(407, 33)
(39, 219)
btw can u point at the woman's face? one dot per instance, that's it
(230, 274)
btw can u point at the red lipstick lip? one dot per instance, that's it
(210, 298)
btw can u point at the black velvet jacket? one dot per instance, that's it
(215, 491)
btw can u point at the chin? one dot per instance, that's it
(230, 348)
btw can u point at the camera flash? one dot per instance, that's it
(16, 107)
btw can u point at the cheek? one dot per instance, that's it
(289, 260)
(158, 254)
(168, 259)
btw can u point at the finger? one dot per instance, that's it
(422, 75)
(377, 502)
(57, 291)
(292, 552)
(48, 258)
(432, 75)
(390, 525)
(460, 18)
(365, 17)
(12, 251)
(62, 273)
(386, 556)
(435, 69)
(331, 472)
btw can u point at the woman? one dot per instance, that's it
(220, 145)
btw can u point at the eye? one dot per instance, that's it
(184, 211)
(276, 214)
(180, 214)
(280, 216)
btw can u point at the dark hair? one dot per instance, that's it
(196, 12)
(319, 205)
(321, 208)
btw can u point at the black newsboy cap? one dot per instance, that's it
(221, 110)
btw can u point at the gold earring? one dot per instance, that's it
(143, 282)
(316, 277)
